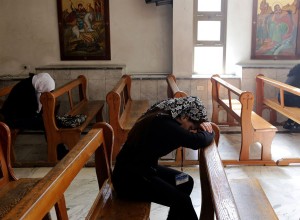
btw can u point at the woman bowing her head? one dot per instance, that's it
(166, 126)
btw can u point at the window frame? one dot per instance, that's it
(211, 16)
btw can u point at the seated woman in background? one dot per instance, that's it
(290, 99)
(23, 110)
(165, 127)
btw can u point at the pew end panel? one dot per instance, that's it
(238, 105)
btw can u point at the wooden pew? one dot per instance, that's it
(239, 105)
(75, 95)
(173, 91)
(98, 141)
(274, 106)
(4, 92)
(123, 111)
(234, 199)
(12, 189)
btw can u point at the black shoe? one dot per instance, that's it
(296, 127)
(61, 151)
(288, 124)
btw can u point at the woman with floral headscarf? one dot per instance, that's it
(166, 126)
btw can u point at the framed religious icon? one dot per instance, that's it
(84, 29)
(275, 30)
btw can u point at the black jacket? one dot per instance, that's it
(21, 102)
(155, 137)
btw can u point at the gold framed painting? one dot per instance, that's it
(84, 32)
(275, 30)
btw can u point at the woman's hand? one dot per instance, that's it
(206, 126)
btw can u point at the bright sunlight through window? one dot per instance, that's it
(210, 38)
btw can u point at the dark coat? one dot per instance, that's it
(21, 104)
(155, 137)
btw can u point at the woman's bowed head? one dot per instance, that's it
(188, 111)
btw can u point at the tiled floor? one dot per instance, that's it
(281, 184)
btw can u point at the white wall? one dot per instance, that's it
(183, 37)
(141, 36)
(239, 29)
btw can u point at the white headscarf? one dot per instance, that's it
(42, 82)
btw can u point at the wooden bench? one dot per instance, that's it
(12, 189)
(74, 94)
(272, 104)
(4, 92)
(234, 199)
(107, 206)
(173, 91)
(123, 111)
(239, 106)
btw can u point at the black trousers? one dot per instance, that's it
(159, 188)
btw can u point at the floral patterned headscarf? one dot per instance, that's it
(190, 106)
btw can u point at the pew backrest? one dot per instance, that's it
(123, 111)
(263, 102)
(74, 95)
(173, 90)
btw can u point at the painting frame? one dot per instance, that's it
(84, 29)
(275, 30)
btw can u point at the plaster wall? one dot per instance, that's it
(141, 36)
